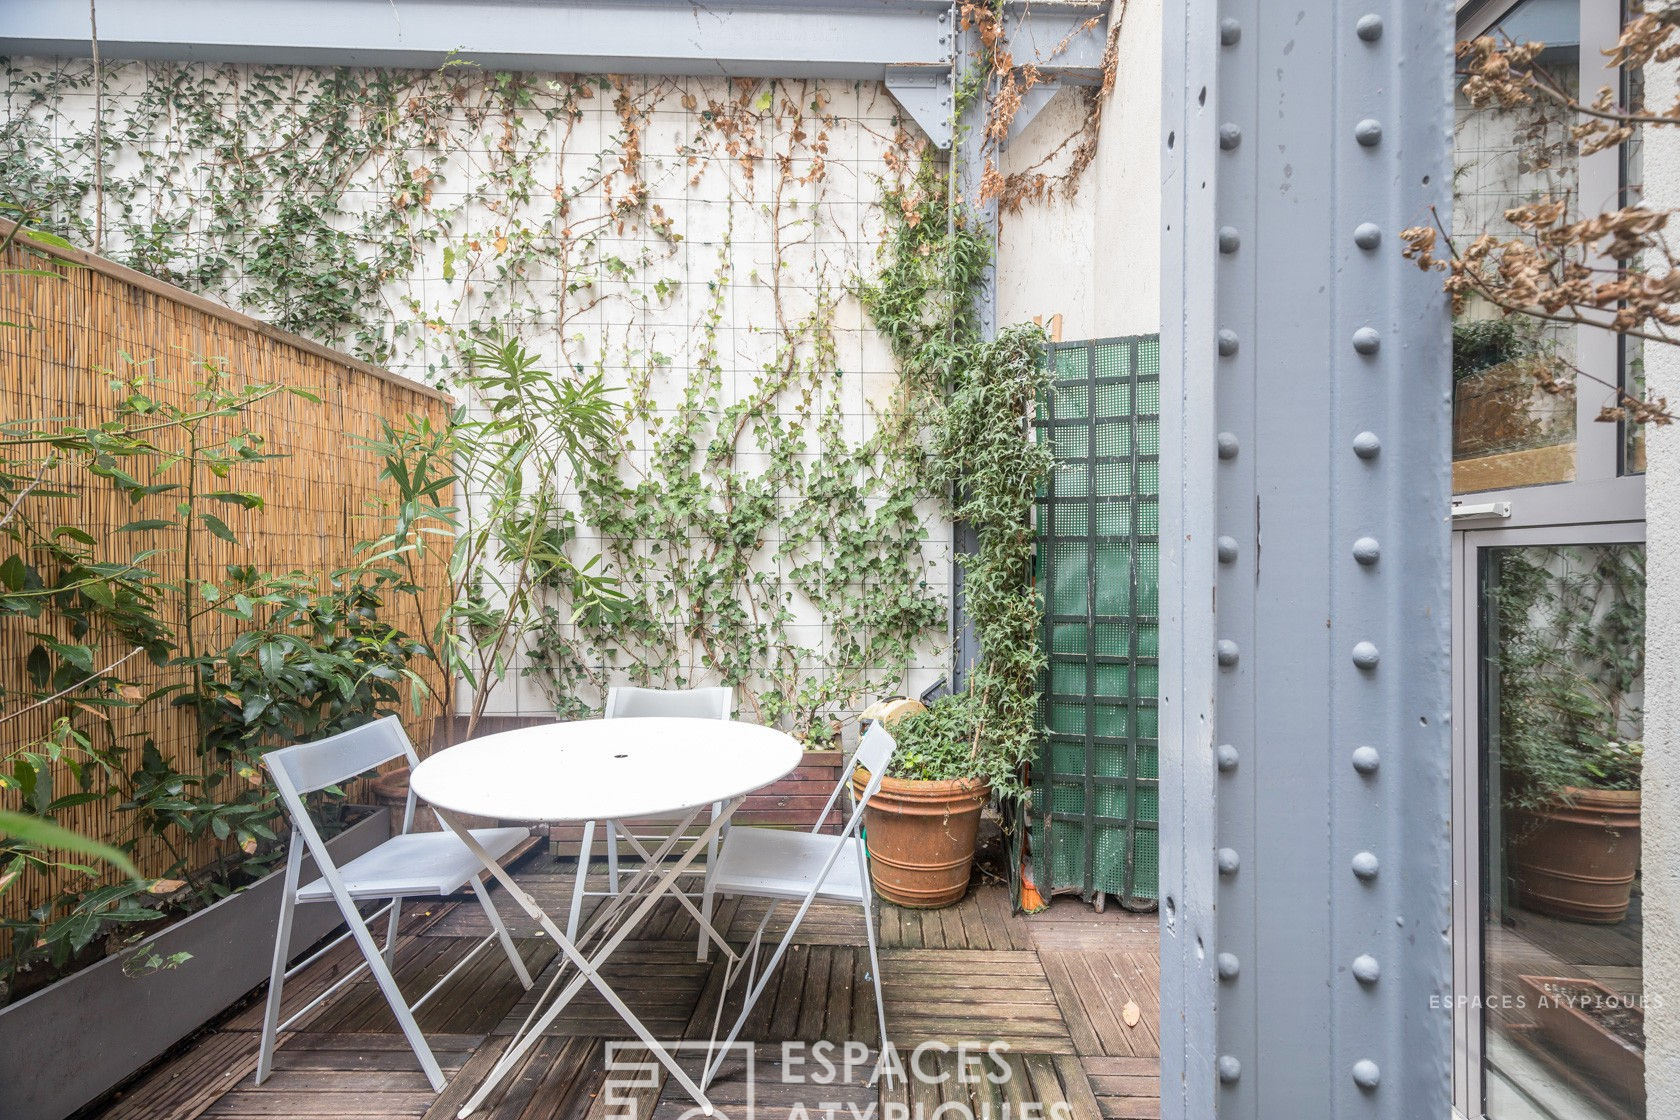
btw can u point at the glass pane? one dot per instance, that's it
(1508, 430)
(1563, 679)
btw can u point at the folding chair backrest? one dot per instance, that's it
(627, 701)
(308, 767)
(874, 753)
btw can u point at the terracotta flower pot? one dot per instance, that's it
(1577, 858)
(921, 838)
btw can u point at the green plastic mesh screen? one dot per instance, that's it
(1095, 785)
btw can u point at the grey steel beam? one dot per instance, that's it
(1305, 485)
(850, 39)
(969, 163)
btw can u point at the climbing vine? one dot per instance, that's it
(763, 500)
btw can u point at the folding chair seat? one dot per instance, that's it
(775, 863)
(408, 865)
(785, 866)
(416, 863)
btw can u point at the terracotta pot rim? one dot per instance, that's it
(1589, 793)
(932, 787)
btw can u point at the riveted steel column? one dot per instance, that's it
(1305, 485)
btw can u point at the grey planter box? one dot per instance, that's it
(77, 1039)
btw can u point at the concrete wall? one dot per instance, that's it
(1661, 812)
(1095, 257)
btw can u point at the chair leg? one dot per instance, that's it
(393, 994)
(704, 949)
(391, 924)
(612, 857)
(282, 954)
(874, 962)
(490, 912)
(578, 881)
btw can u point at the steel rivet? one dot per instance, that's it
(1229, 239)
(1367, 235)
(1227, 651)
(1366, 760)
(1227, 550)
(1229, 966)
(1365, 866)
(1366, 445)
(1227, 445)
(1229, 1069)
(1366, 340)
(1229, 32)
(1229, 861)
(1365, 655)
(1225, 757)
(1366, 970)
(1365, 1073)
(1229, 136)
(1369, 27)
(1368, 132)
(1227, 343)
(1366, 550)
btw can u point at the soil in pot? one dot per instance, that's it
(1578, 858)
(921, 838)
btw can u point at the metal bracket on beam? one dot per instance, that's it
(924, 92)
(1032, 102)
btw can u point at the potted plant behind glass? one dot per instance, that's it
(1571, 667)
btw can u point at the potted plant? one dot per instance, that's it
(923, 822)
(1571, 665)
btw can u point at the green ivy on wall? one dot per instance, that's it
(764, 532)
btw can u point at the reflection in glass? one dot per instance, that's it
(1508, 430)
(1562, 982)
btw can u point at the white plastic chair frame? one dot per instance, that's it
(629, 702)
(302, 770)
(874, 753)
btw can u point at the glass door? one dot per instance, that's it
(1550, 649)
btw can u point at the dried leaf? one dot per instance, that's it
(1131, 1013)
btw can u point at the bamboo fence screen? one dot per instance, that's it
(320, 499)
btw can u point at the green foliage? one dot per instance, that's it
(941, 743)
(996, 468)
(22, 828)
(104, 620)
(1571, 661)
(981, 395)
(508, 546)
(775, 546)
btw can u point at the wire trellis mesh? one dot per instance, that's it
(1096, 783)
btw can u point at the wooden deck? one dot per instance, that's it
(1073, 994)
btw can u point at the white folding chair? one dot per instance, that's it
(630, 702)
(783, 865)
(408, 865)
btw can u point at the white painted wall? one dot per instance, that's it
(1095, 258)
(1660, 816)
(777, 237)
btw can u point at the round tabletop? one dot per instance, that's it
(605, 769)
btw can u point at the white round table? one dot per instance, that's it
(611, 770)
(605, 769)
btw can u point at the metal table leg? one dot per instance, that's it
(588, 966)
